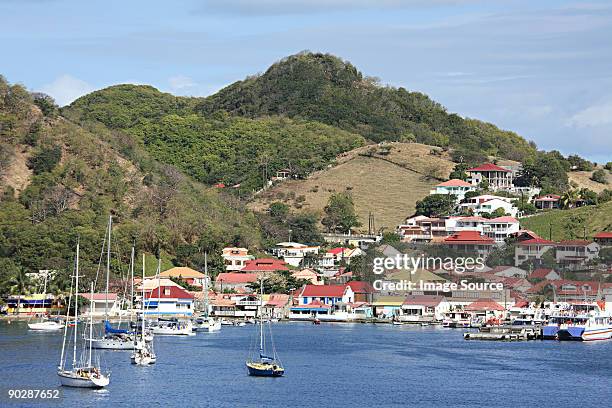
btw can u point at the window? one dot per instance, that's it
(166, 291)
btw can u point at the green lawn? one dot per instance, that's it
(571, 224)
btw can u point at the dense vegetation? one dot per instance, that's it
(76, 178)
(326, 89)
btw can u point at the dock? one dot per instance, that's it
(505, 333)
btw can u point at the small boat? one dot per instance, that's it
(397, 323)
(206, 323)
(173, 327)
(239, 324)
(264, 365)
(82, 374)
(226, 322)
(316, 321)
(46, 325)
(143, 354)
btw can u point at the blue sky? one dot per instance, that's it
(541, 68)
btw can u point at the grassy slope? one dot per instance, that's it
(596, 219)
(380, 184)
(583, 180)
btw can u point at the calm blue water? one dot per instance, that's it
(330, 365)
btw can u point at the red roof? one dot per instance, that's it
(521, 303)
(454, 183)
(484, 304)
(540, 273)
(313, 304)
(548, 197)
(469, 237)
(603, 235)
(574, 242)
(236, 277)
(504, 219)
(361, 287)
(168, 292)
(336, 251)
(323, 290)
(424, 300)
(536, 241)
(265, 265)
(489, 167)
(278, 300)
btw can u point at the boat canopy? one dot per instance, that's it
(109, 329)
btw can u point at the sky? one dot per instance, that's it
(540, 68)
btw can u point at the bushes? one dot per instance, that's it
(45, 159)
(599, 176)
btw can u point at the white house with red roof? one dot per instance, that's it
(471, 242)
(325, 302)
(499, 178)
(235, 258)
(546, 202)
(168, 300)
(576, 253)
(326, 294)
(603, 238)
(531, 249)
(456, 187)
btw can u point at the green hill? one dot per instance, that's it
(571, 224)
(326, 89)
(60, 181)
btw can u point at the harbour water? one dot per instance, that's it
(352, 365)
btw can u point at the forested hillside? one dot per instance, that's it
(324, 88)
(60, 182)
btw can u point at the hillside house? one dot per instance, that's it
(603, 239)
(454, 186)
(293, 253)
(235, 258)
(235, 281)
(545, 274)
(546, 202)
(470, 242)
(574, 254)
(185, 274)
(531, 249)
(499, 178)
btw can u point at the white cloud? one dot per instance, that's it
(66, 89)
(595, 115)
(181, 82)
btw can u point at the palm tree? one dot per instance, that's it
(569, 198)
(19, 284)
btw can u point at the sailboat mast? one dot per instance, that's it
(90, 324)
(76, 306)
(205, 285)
(61, 365)
(261, 317)
(142, 308)
(158, 285)
(108, 251)
(132, 281)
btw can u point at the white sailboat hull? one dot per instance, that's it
(72, 379)
(46, 326)
(214, 326)
(112, 344)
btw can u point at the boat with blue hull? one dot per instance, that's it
(581, 322)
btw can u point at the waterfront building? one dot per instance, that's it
(485, 309)
(423, 308)
(364, 291)
(277, 305)
(235, 258)
(387, 306)
(168, 300)
(326, 294)
(99, 303)
(38, 303)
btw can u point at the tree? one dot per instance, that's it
(304, 229)
(569, 199)
(340, 213)
(436, 205)
(45, 159)
(46, 103)
(599, 176)
(278, 210)
(19, 284)
(608, 166)
(459, 172)
(390, 238)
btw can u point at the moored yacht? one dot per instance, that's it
(581, 322)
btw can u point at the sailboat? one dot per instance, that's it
(206, 323)
(113, 339)
(264, 365)
(45, 324)
(82, 374)
(143, 354)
